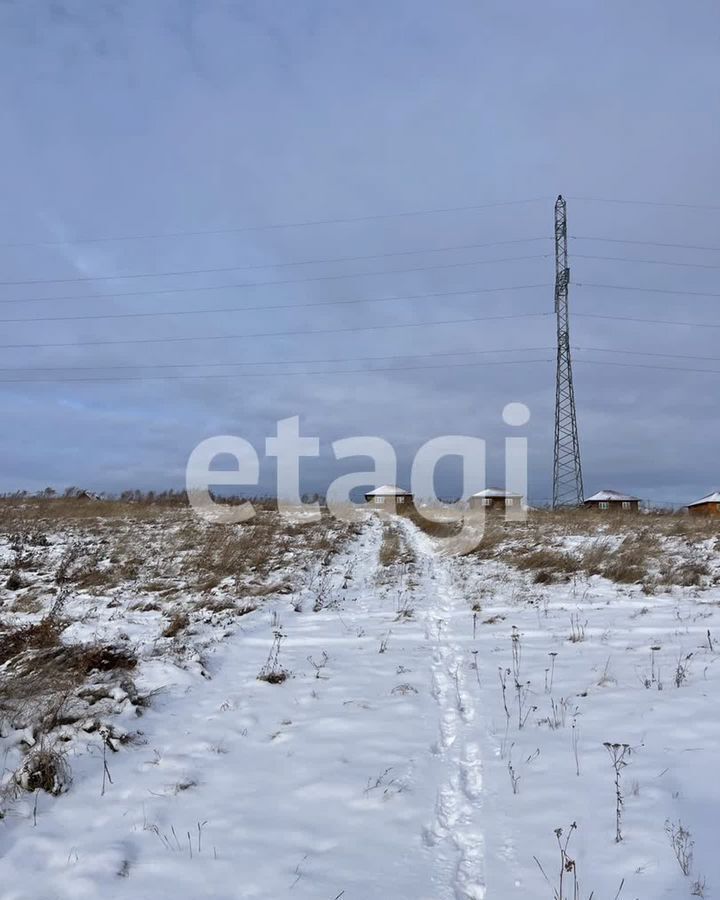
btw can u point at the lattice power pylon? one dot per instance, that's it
(567, 471)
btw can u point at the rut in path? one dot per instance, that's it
(455, 832)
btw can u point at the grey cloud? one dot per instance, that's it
(137, 118)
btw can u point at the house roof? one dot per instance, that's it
(711, 498)
(388, 490)
(611, 495)
(495, 493)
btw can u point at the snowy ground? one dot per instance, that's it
(385, 765)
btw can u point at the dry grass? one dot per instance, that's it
(54, 665)
(44, 769)
(628, 564)
(153, 558)
(545, 563)
(589, 522)
(158, 548)
(42, 674)
(394, 549)
(225, 605)
(627, 549)
(37, 636)
(35, 514)
(434, 528)
(248, 554)
(632, 562)
(179, 621)
(391, 546)
(684, 573)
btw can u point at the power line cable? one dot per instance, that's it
(277, 225)
(642, 353)
(603, 362)
(272, 306)
(251, 336)
(393, 369)
(185, 339)
(216, 287)
(644, 290)
(289, 375)
(274, 362)
(646, 321)
(340, 359)
(284, 281)
(362, 300)
(609, 240)
(654, 262)
(278, 265)
(658, 203)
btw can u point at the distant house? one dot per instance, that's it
(388, 494)
(495, 498)
(88, 495)
(707, 506)
(612, 501)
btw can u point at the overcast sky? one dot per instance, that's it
(153, 120)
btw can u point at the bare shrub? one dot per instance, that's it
(321, 664)
(577, 628)
(272, 672)
(620, 759)
(558, 714)
(405, 609)
(567, 886)
(512, 772)
(44, 769)
(67, 561)
(682, 844)
(682, 669)
(522, 687)
(14, 581)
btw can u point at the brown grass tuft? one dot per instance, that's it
(40, 635)
(179, 621)
(44, 769)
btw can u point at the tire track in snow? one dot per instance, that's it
(455, 832)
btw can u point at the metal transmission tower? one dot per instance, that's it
(567, 472)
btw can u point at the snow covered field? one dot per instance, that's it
(423, 724)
